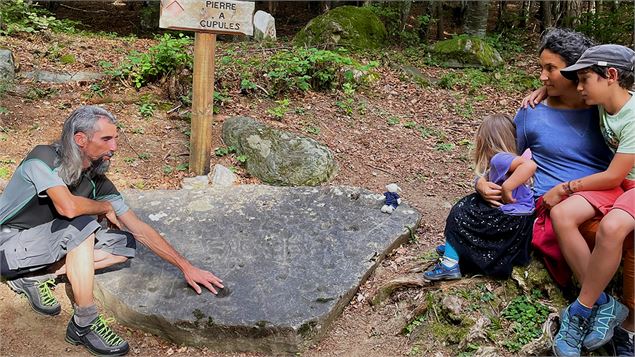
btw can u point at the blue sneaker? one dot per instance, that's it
(602, 322)
(623, 343)
(568, 341)
(441, 272)
(440, 249)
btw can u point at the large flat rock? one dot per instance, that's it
(292, 259)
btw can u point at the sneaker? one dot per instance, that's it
(568, 341)
(603, 321)
(623, 343)
(97, 337)
(38, 292)
(441, 272)
(440, 249)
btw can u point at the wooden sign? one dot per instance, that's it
(222, 16)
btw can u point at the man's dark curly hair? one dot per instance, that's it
(568, 44)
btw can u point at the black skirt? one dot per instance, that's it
(487, 240)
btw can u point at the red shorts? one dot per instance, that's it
(626, 202)
(605, 200)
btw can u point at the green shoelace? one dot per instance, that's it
(46, 295)
(102, 329)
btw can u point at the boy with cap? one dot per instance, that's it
(605, 75)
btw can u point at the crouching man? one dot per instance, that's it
(49, 227)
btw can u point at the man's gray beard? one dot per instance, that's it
(100, 167)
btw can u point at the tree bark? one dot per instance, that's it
(325, 6)
(404, 12)
(524, 13)
(547, 18)
(573, 9)
(438, 11)
(476, 15)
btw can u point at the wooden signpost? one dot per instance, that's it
(207, 18)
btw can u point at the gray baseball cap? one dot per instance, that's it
(616, 56)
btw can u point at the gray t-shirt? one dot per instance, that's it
(24, 203)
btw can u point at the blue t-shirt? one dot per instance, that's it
(566, 144)
(498, 168)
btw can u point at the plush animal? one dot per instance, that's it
(392, 198)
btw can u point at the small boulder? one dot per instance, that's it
(7, 65)
(347, 26)
(222, 176)
(264, 26)
(466, 51)
(278, 157)
(53, 77)
(195, 183)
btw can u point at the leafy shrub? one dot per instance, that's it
(303, 69)
(390, 14)
(527, 316)
(505, 79)
(507, 43)
(170, 55)
(18, 16)
(610, 26)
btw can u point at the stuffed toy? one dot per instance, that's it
(392, 198)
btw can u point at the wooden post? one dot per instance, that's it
(207, 18)
(202, 102)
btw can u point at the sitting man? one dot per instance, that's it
(48, 214)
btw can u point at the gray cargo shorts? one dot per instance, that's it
(40, 246)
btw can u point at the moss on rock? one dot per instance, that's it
(347, 26)
(535, 276)
(466, 51)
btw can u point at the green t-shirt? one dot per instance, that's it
(619, 130)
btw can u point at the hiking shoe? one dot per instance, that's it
(38, 292)
(97, 337)
(440, 249)
(441, 272)
(603, 321)
(623, 343)
(568, 341)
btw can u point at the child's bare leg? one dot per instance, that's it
(607, 254)
(567, 217)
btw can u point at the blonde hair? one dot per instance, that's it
(497, 133)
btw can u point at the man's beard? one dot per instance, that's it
(101, 166)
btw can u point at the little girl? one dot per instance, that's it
(485, 239)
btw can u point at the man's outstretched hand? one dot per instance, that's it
(195, 276)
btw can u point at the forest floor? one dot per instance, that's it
(394, 130)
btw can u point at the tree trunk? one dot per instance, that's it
(547, 19)
(272, 6)
(404, 12)
(476, 18)
(438, 14)
(325, 6)
(572, 11)
(524, 14)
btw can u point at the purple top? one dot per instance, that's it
(498, 167)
